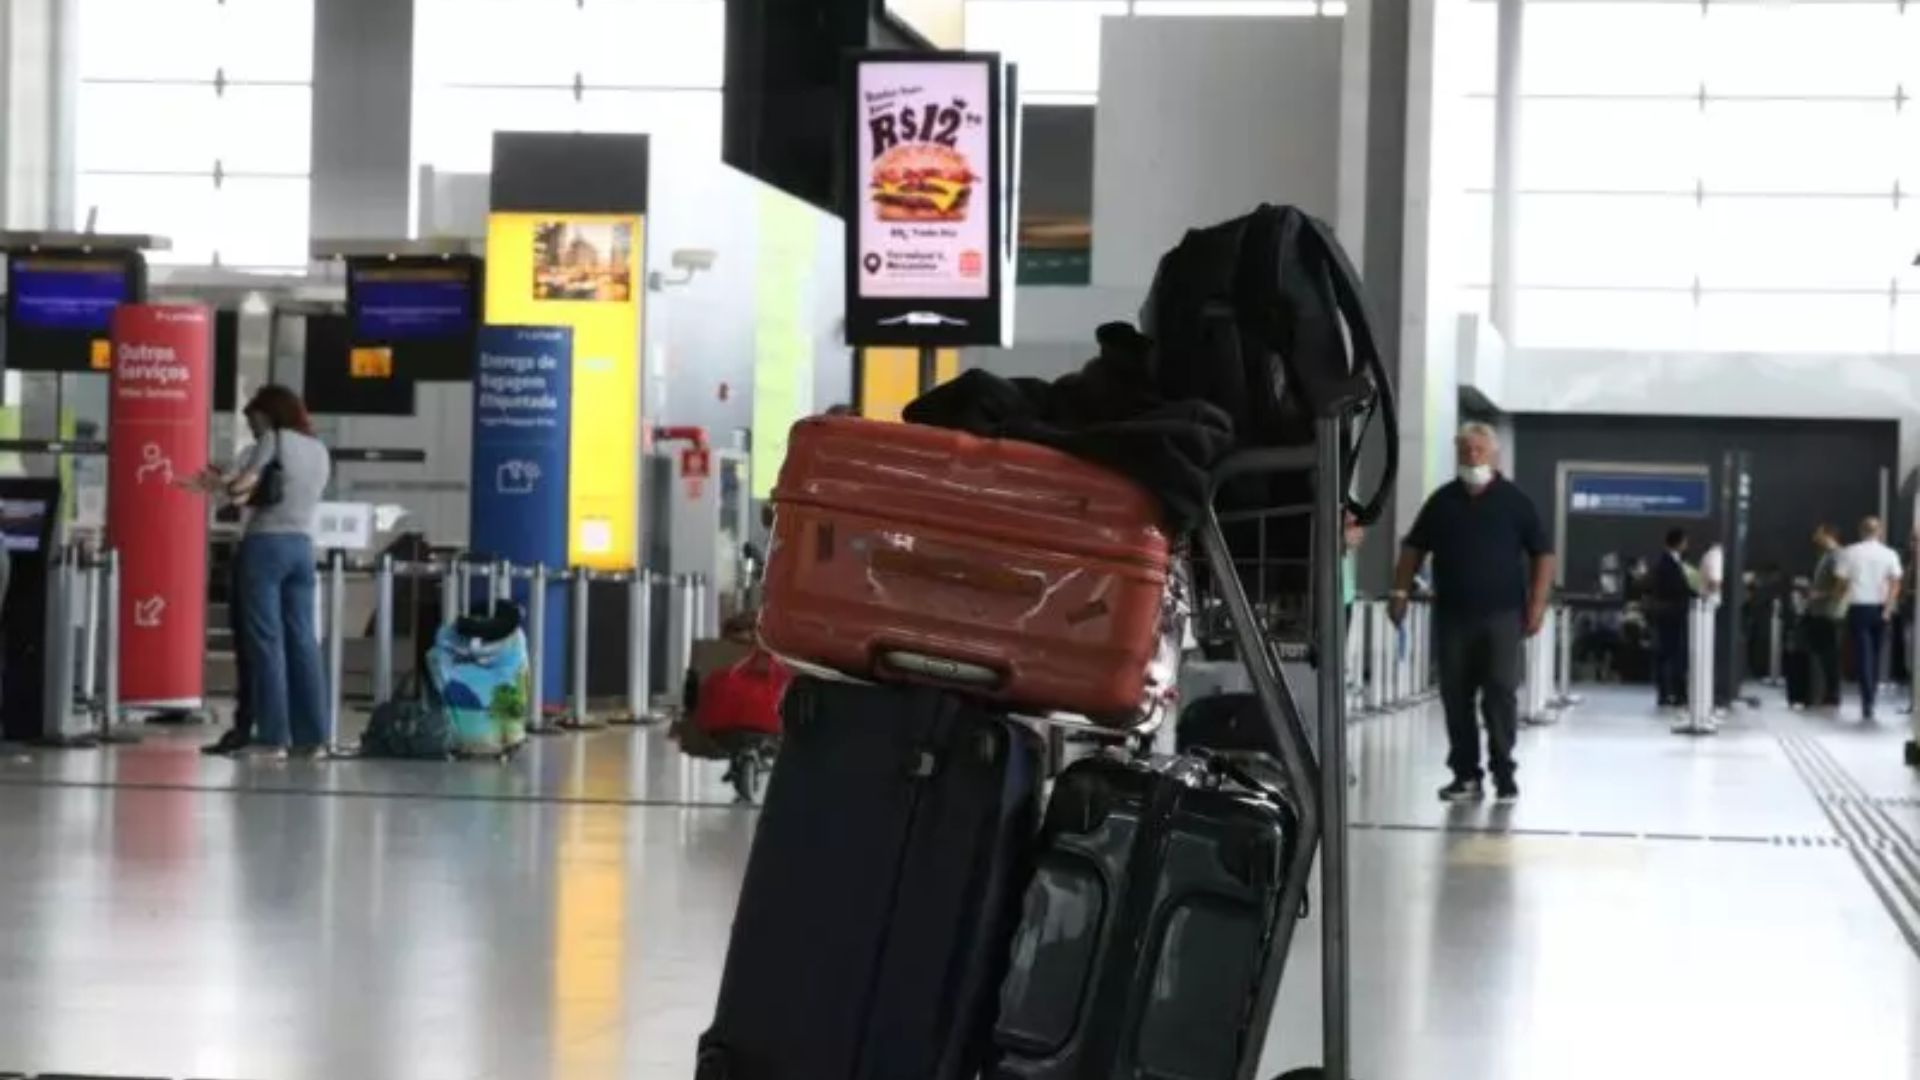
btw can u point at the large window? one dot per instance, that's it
(1057, 42)
(194, 123)
(626, 66)
(1727, 175)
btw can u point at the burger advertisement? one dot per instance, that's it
(925, 183)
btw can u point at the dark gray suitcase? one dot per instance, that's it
(884, 882)
(1152, 940)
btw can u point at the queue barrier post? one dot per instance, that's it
(639, 646)
(336, 644)
(110, 616)
(1776, 643)
(578, 716)
(689, 631)
(383, 630)
(90, 637)
(451, 607)
(537, 722)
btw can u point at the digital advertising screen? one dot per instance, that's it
(60, 307)
(925, 212)
(344, 379)
(426, 311)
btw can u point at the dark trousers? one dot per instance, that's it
(242, 682)
(1480, 662)
(1823, 660)
(1670, 659)
(1867, 627)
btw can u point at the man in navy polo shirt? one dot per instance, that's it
(1492, 574)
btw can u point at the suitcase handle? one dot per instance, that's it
(940, 669)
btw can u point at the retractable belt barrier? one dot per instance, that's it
(1390, 667)
(1700, 630)
(83, 707)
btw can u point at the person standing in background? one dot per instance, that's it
(1871, 572)
(1669, 600)
(1492, 575)
(1826, 611)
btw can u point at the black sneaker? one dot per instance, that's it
(1463, 791)
(231, 743)
(1506, 792)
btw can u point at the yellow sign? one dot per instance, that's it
(370, 362)
(890, 378)
(100, 354)
(584, 271)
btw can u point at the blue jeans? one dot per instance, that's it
(277, 586)
(1867, 625)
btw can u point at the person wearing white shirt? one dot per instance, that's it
(1870, 573)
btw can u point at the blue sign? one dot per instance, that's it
(522, 419)
(62, 294)
(1635, 494)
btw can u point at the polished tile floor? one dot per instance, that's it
(1656, 907)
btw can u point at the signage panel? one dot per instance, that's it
(522, 410)
(1634, 494)
(158, 417)
(584, 272)
(926, 209)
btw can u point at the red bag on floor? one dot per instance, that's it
(1003, 569)
(744, 697)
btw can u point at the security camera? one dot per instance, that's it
(694, 260)
(686, 263)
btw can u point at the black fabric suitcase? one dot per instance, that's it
(882, 889)
(1155, 929)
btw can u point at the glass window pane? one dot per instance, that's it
(1612, 48)
(454, 131)
(1803, 48)
(678, 43)
(1469, 45)
(1776, 322)
(1812, 146)
(164, 128)
(1225, 7)
(116, 39)
(1467, 142)
(266, 40)
(1555, 319)
(1055, 42)
(685, 125)
(179, 208)
(498, 42)
(261, 222)
(1800, 243)
(1622, 145)
(1606, 240)
(1468, 230)
(1906, 319)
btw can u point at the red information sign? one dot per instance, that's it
(157, 432)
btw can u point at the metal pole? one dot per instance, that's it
(1508, 48)
(1370, 634)
(90, 640)
(110, 693)
(59, 661)
(464, 574)
(688, 631)
(702, 601)
(640, 645)
(336, 642)
(1328, 526)
(502, 586)
(537, 647)
(383, 631)
(450, 589)
(1563, 634)
(1775, 644)
(578, 652)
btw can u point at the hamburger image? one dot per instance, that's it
(922, 182)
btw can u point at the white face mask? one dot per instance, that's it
(1476, 476)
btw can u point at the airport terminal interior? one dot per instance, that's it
(470, 469)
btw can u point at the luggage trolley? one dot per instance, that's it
(1316, 774)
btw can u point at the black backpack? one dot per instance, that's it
(1263, 317)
